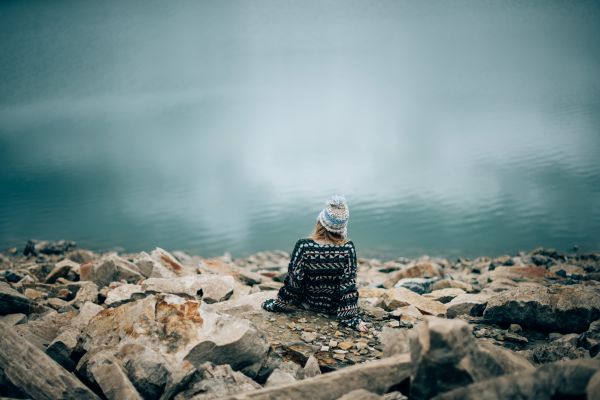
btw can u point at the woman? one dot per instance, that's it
(322, 270)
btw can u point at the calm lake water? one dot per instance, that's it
(452, 128)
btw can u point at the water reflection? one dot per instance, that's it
(452, 129)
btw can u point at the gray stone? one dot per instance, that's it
(445, 355)
(64, 269)
(592, 390)
(444, 295)
(37, 247)
(394, 341)
(556, 308)
(564, 348)
(211, 382)
(12, 302)
(564, 379)
(311, 368)
(114, 269)
(468, 304)
(13, 319)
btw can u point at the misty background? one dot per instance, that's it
(452, 128)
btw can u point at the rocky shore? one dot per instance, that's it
(75, 324)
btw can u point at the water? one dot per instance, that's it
(453, 128)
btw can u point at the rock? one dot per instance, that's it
(13, 319)
(34, 294)
(469, 303)
(399, 297)
(308, 337)
(407, 314)
(123, 294)
(445, 355)
(63, 347)
(36, 247)
(515, 328)
(166, 265)
(564, 379)
(378, 376)
(32, 371)
(417, 285)
(115, 269)
(452, 283)
(145, 264)
(360, 394)
(286, 372)
(311, 368)
(249, 278)
(12, 302)
(44, 329)
(422, 269)
(64, 269)
(444, 295)
(86, 292)
(556, 308)
(212, 382)
(592, 390)
(210, 288)
(106, 372)
(394, 341)
(564, 348)
(147, 369)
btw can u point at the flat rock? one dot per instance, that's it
(124, 293)
(360, 394)
(211, 382)
(556, 308)
(105, 370)
(210, 288)
(452, 283)
(400, 297)
(421, 269)
(468, 304)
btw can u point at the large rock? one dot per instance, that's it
(64, 269)
(444, 295)
(165, 265)
(36, 247)
(400, 297)
(123, 294)
(555, 309)
(560, 380)
(12, 302)
(161, 338)
(564, 348)
(376, 376)
(213, 382)
(445, 355)
(469, 303)
(210, 288)
(112, 269)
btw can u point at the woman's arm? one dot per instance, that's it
(291, 292)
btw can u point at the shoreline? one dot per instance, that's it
(492, 316)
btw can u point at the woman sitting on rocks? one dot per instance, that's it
(322, 270)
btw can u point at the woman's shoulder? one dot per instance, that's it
(311, 242)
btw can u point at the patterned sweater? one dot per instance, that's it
(322, 277)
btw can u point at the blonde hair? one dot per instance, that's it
(320, 234)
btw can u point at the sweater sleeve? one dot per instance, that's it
(291, 293)
(347, 311)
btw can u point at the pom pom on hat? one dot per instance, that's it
(334, 217)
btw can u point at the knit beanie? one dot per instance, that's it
(334, 217)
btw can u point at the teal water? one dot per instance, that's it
(452, 128)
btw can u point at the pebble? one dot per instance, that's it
(333, 343)
(308, 336)
(340, 357)
(324, 348)
(345, 345)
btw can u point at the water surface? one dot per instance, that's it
(453, 128)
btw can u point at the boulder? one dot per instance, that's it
(399, 297)
(13, 319)
(555, 308)
(165, 265)
(445, 355)
(592, 390)
(112, 268)
(210, 288)
(213, 382)
(286, 372)
(394, 341)
(417, 285)
(12, 302)
(37, 247)
(564, 379)
(469, 304)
